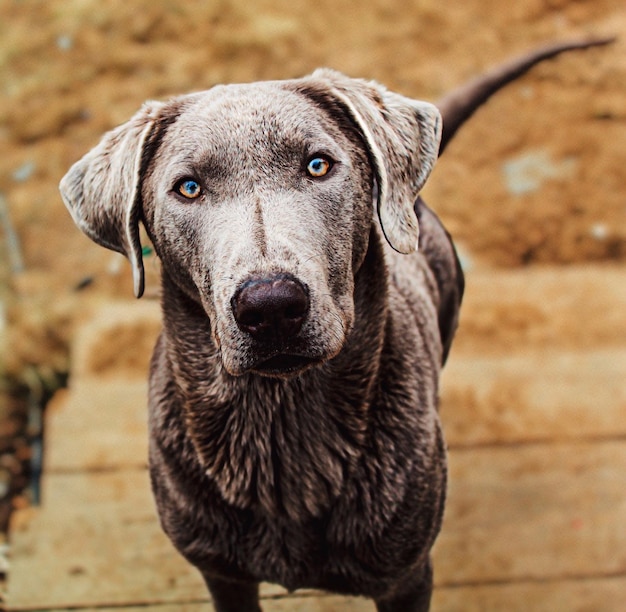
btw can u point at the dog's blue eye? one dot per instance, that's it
(318, 166)
(189, 189)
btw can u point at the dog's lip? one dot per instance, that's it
(284, 363)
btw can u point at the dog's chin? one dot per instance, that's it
(284, 366)
(284, 362)
(279, 365)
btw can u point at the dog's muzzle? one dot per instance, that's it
(272, 311)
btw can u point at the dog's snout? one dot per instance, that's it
(271, 309)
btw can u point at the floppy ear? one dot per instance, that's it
(102, 190)
(402, 137)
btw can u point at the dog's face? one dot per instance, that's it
(258, 199)
(282, 221)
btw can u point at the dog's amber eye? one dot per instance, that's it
(318, 166)
(188, 188)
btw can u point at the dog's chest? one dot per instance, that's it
(280, 448)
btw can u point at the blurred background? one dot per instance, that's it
(536, 179)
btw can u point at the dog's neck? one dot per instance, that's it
(286, 445)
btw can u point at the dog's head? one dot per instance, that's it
(258, 199)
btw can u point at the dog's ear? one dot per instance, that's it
(402, 137)
(103, 189)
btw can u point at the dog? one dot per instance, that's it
(309, 298)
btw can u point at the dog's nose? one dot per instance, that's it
(271, 309)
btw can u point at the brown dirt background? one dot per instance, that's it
(72, 69)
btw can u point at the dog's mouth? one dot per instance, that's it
(284, 365)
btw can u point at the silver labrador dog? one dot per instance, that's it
(294, 433)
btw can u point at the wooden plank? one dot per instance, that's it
(100, 421)
(605, 594)
(535, 395)
(538, 512)
(310, 603)
(116, 340)
(96, 541)
(97, 425)
(528, 513)
(569, 307)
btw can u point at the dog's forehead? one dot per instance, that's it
(271, 108)
(238, 127)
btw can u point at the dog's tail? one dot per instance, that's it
(461, 103)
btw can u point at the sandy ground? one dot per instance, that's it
(538, 176)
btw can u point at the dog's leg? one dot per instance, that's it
(414, 597)
(233, 596)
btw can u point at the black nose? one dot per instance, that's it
(271, 309)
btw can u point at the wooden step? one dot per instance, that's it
(539, 395)
(551, 307)
(503, 312)
(97, 426)
(582, 594)
(534, 512)
(521, 515)
(534, 395)
(95, 540)
(533, 404)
